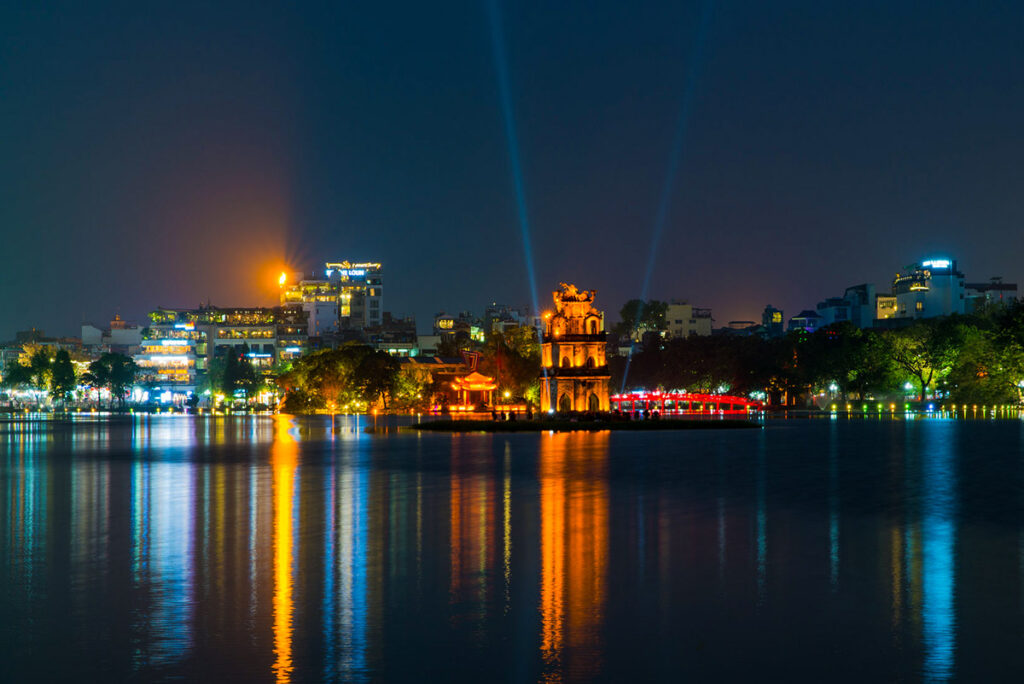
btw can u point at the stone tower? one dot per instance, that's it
(575, 372)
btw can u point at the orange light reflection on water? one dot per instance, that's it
(284, 458)
(574, 552)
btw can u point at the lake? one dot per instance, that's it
(270, 549)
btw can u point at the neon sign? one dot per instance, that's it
(935, 263)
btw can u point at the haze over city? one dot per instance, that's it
(178, 154)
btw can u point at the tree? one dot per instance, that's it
(412, 388)
(638, 317)
(62, 376)
(512, 358)
(239, 374)
(40, 365)
(212, 381)
(988, 369)
(324, 379)
(16, 375)
(376, 376)
(116, 372)
(927, 350)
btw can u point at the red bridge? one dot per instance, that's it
(683, 403)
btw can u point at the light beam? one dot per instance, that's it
(675, 155)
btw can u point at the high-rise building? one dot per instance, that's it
(360, 292)
(933, 287)
(349, 296)
(172, 355)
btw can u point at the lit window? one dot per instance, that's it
(920, 306)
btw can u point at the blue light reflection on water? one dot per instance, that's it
(939, 540)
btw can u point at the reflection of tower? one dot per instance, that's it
(575, 374)
(574, 551)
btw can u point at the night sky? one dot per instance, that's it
(178, 153)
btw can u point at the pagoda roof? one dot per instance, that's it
(474, 382)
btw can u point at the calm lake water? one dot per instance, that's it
(271, 549)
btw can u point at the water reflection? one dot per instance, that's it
(288, 549)
(473, 524)
(574, 551)
(284, 461)
(939, 533)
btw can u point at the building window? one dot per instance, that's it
(920, 306)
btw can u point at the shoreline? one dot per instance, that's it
(570, 425)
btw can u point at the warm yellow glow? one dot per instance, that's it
(282, 279)
(284, 453)
(471, 505)
(574, 548)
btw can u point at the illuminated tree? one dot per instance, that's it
(927, 350)
(376, 376)
(512, 358)
(40, 366)
(413, 388)
(116, 372)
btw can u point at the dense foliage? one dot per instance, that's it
(350, 377)
(356, 378)
(116, 372)
(967, 359)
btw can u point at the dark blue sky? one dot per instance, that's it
(181, 152)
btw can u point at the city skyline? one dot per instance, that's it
(177, 156)
(425, 323)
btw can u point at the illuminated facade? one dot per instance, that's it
(319, 299)
(349, 296)
(459, 328)
(360, 292)
(931, 288)
(885, 306)
(271, 335)
(171, 356)
(772, 321)
(575, 372)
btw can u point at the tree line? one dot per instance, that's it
(975, 359)
(56, 373)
